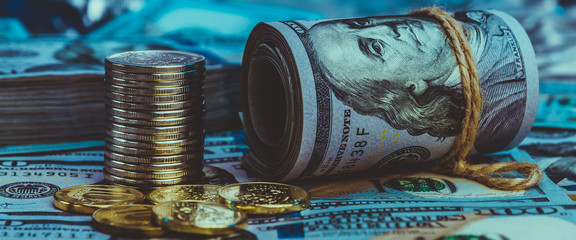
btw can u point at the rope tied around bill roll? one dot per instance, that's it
(455, 162)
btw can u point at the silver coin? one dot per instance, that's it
(156, 84)
(154, 130)
(196, 90)
(154, 61)
(160, 98)
(151, 151)
(164, 144)
(163, 77)
(153, 167)
(190, 114)
(152, 182)
(200, 134)
(153, 106)
(191, 156)
(154, 175)
(157, 121)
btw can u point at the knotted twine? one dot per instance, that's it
(455, 162)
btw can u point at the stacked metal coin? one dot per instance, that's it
(155, 118)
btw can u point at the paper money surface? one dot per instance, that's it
(327, 97)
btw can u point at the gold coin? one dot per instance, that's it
(187, 119)
(147, 183)
(264, 197)
(197, 192)
(156, 115)
(155, 175)
(166, 144)
(154, 167)
(152, 130)
(154, 61)
(156, 77)
(88, 198)
(190, 89)
(149, 151)
(154, 106)
(143, 159)
(199, 218)
(157, 137)
(161, 98)
(127, 220)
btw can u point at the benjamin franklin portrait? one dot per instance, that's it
(401, 69)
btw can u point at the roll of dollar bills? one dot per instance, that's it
(336, 96)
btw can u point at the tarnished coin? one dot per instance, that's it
(157, 121)
(88, 198)
(197, 192)
(151, 130)
(155, 144)
(154, 61)
(195, 89)
(156, 137)
(153, 167)
(190, 114)
(143, 159)
(264, 197)
(160, 98)
(157, 175)
(152, 106)
(153, 77)
(199, 218)
(127, 220)
(146, 183)
(147, 151)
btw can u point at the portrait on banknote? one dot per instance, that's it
(404, 72)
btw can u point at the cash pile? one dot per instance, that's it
(155, 118)
(44, 112)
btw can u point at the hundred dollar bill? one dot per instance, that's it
(423, 221)
(345, 95)
(424, 186)
(28, 183)
(556, 111)
(554, 150)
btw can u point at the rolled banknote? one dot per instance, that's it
(335, 96)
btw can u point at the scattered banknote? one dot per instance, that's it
(52, 92)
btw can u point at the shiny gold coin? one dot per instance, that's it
(127, 220)
(154, 167)
(89, 198)
(197, 192)
(187, 119)
(147, 183)
(199, 218)
(161, 98)
(150, 151)
(143, 159)
(167, 144)
(152, 130)
(159, 175)
(156, 77)
(152, 106)
(154, 61)
(191, 114)
(264, 198)
(190, 89)
(157, 137)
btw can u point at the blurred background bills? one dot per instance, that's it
(52, 121)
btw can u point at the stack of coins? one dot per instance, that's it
(155, 118)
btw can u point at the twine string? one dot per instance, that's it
(455, 162)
